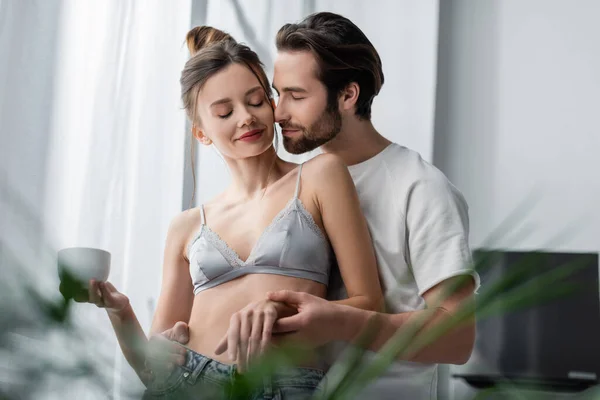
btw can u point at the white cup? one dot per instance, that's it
(84, 263)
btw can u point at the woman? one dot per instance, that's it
(277, 226)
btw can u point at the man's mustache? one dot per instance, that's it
(291, 127)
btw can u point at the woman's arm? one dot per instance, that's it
(177, 291)
(129, 333)
(174, 303)
(347, 230)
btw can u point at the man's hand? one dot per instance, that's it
(163, 353)
(180, 332)
(317, 321)
(249, 333)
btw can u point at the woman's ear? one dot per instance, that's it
(350, 96)
(199, 134)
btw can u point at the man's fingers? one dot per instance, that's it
(287, 296)
(178, 333)
(159, 347)
(255, 336)
(181, 332)
(244, 337)
(165, 357)
(174, 348)
(178, 359)
(146, 376)
(270, 319)
(233, 336)
(222, 346)
(288, 324)
(166, 334)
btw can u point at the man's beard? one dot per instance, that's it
(325, 128)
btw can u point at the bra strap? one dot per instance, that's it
(202, 214)
(298, 181)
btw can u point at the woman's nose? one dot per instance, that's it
(247, 119)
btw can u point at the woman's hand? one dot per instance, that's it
(318, 321)
(250, 330)
(105, 295)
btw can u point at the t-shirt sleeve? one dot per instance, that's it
(437, 224)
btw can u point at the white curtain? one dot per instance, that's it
(115, 166)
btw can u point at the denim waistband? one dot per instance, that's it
(197, 364)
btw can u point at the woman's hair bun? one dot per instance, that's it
(201, 37)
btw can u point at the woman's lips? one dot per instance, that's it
(252, 135)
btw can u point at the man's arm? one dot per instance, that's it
(445, 345)
(437, 232)
(319, 321)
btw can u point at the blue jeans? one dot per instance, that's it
(204, 378)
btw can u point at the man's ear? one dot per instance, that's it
(199, 134)
(349, 96)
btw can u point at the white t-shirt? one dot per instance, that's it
(419, 225)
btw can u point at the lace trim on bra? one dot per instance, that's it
(230, 255)
(233, 257)
(311, 222)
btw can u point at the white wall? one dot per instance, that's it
(517, 114)
(403, 31)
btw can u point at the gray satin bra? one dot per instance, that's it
(292, 245)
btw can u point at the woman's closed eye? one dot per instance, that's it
(251, 102)
(225, 116)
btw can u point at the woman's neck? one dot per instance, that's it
(250, 176)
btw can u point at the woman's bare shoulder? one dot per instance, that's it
(325, 172)
(325, 164)
(183, 224)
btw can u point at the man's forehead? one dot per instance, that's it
(297, 64)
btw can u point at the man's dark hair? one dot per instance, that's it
(343, 53)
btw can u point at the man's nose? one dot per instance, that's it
(280, 113)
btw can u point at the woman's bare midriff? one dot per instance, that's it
(214, 307)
